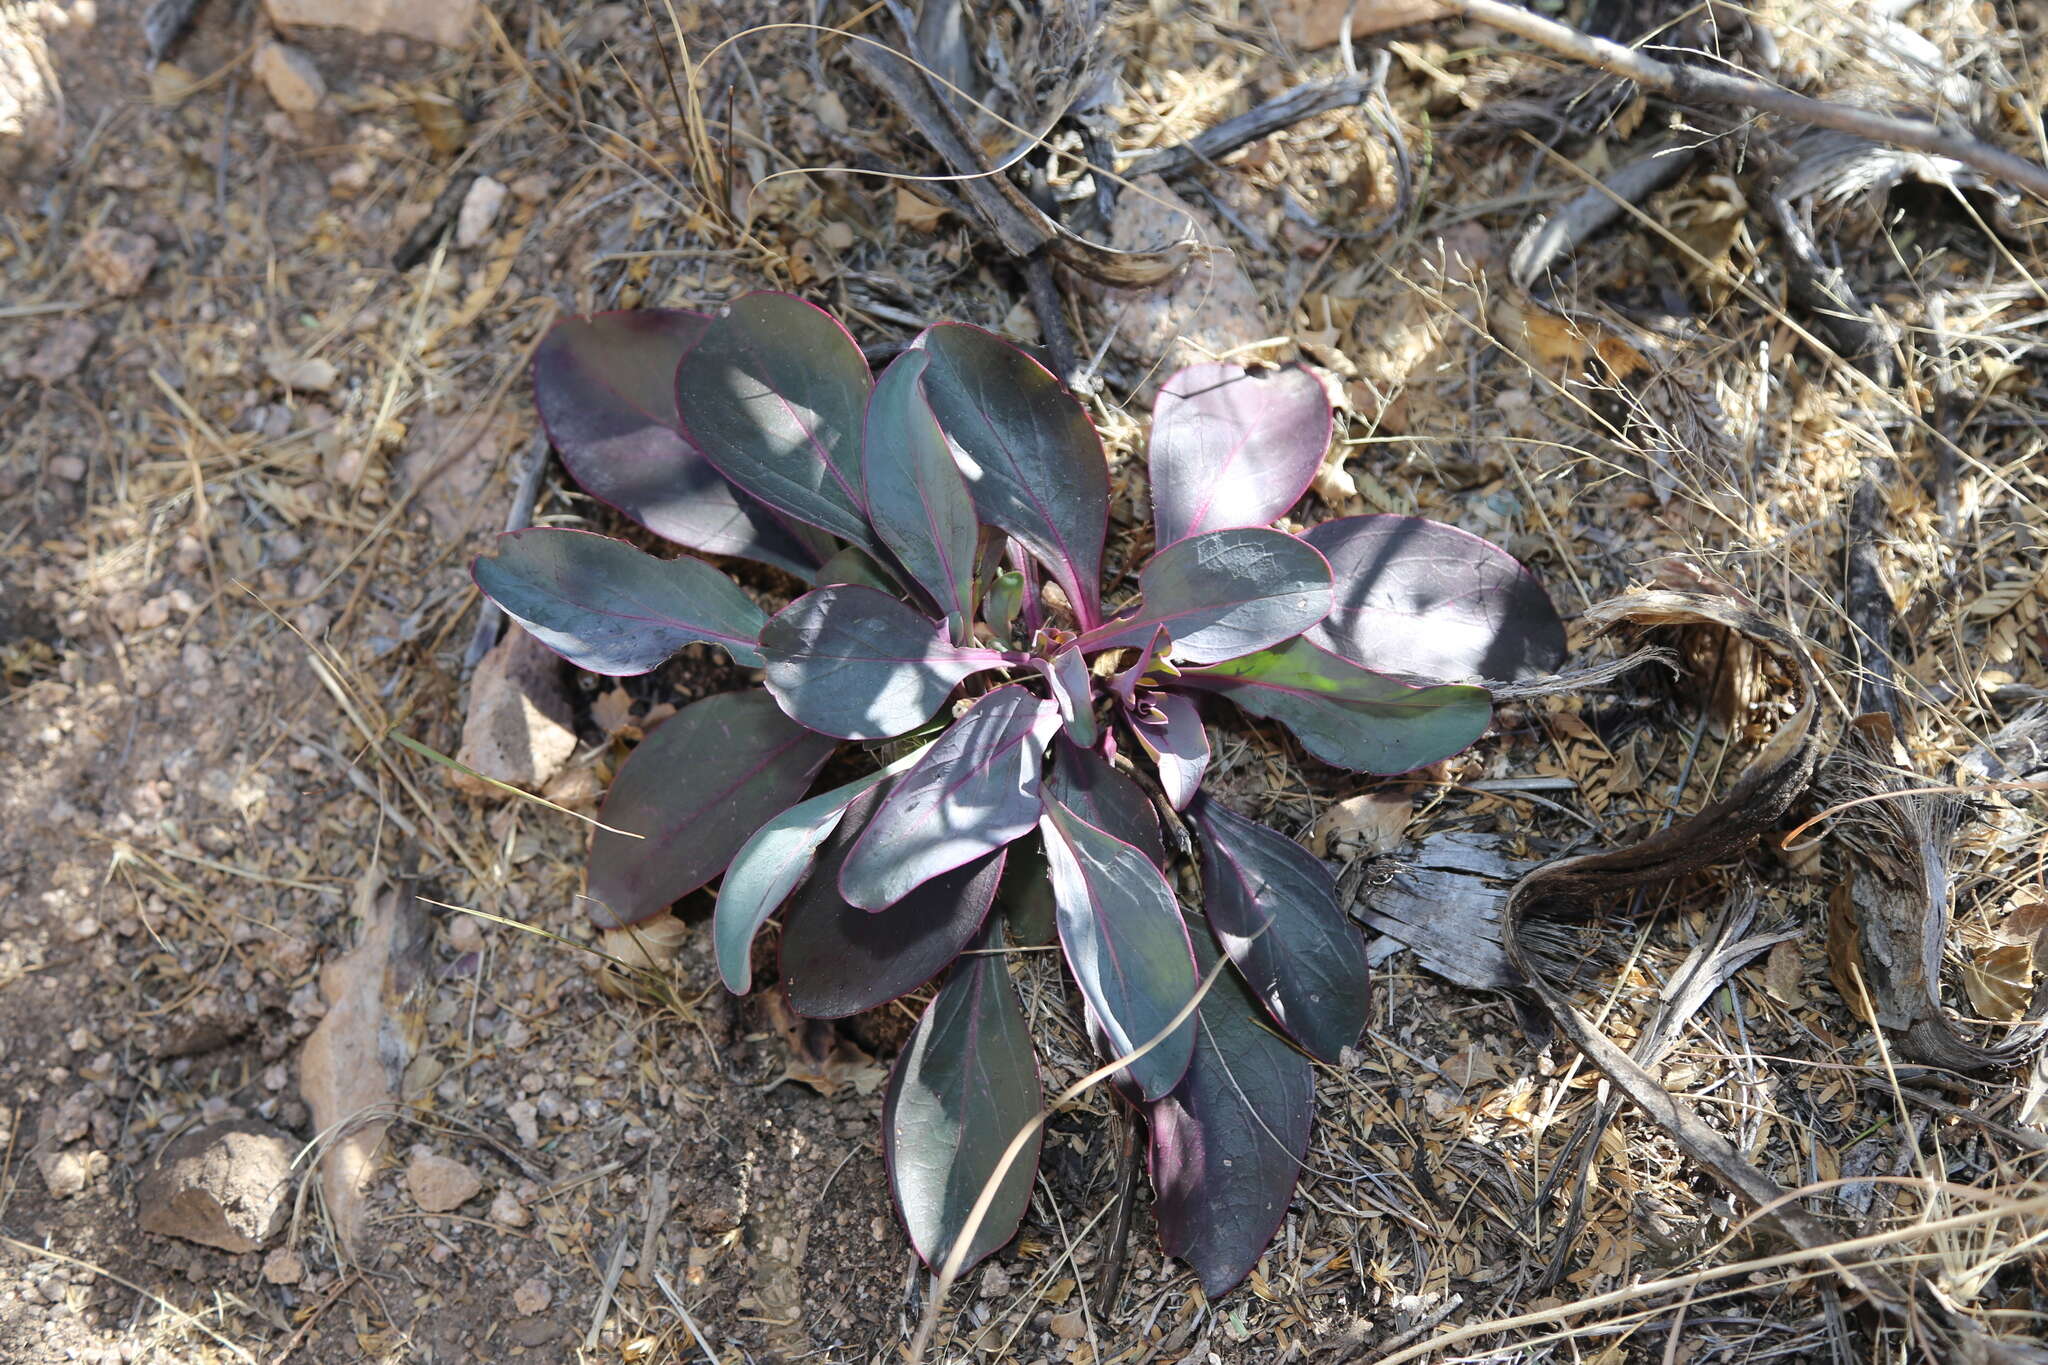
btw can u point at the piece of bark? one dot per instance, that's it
(352, 1069)
(1445, 902)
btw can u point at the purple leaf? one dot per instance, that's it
(1273, 906)
(1234, 449)
(608, 607)
(856, 663)
(1032, 460)
(958, 1096)
(1424, 600)
(838, 959)
(1151, 658)
(1121, 930)
(1169, 727)
(769, 866)
(694, 789)
(917, 501)
(1072, 687)
(974, 791)
(774, 394)
(605, 386)
(1228, 1143)
(1347, 715)
(1083, 781)
(1223, 594)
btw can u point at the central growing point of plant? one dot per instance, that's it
(1028, 738)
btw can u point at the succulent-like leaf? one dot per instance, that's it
(1347, 715)
(1423, 600)
(694, 789)
(1233, 449)
(838, 959)
(1222, 594)
(1169, 728)
(1274, 908)
(769, 866)
(1001, 603)
(856, 663)
(958, 1096)
(608, 607)
(1120, 928)
(1073, 689)
(1026, 894)
(1228, 1143)
(851, 564)
(1085, 783)
(774, 394)
(974, 791)
(1033, 462)
(605, 387)
(916, 498)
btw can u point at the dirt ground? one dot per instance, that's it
(237, 504)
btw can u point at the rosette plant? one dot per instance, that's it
(948, 521)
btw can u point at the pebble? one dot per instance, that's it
(283, 1266)
(439, 1184)
(507, 1211)
(69, 468)
(62, 350)
(465, 934)
(1069, 1326)
(290, 77)
(524, 1118)
(118, 261)
(480, 208)
(532, 1297)
(308, 374)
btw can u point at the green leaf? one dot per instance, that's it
(1274, 908)
(694, 789)
(613, 609)
(1229, 1142)
(958, 1096)
(769, 866)
(1121, 930)
(917, 501)
(1347, 715)
(1032, 460)
(775, 394)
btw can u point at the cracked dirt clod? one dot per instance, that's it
(227, 1185)
(118, 261)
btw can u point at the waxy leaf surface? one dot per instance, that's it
(1233, 449)
(1169, 728)
(1228, 1143)
(974, 791)
(1223, 594)
(605, 387)
(695, 789)
(1347, 715)
(1032, 460)
(1073, 689)
(964, 1087)
(917, 500)
(771, 864)
(1424, 600)
(856, 663)
(1087, 784)
(838, 959)
(610, 608)
(774, 395)
(1274, 908)
(1121, 930)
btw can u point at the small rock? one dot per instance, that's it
(350, 179)
(532, 189)
(283, 1266)
(439, 1184)
(995, 1283)
(525, 1121)
(226, 1186)
(519, 729)
(446, 22)
(480, 208)
(118, 261)
(507, 1211)
(290, 77)
(532, 1297)
(1070, 1326)
(308, 374)
(62, 350)
(170, 83)
(69, 468)
(465, 934)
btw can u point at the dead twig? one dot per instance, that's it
(1707, 86)
(1275, 115)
